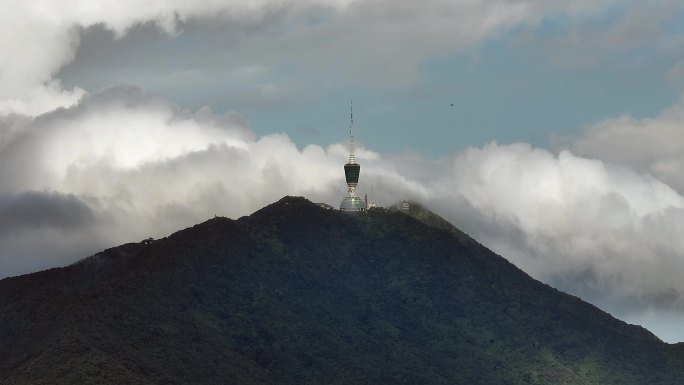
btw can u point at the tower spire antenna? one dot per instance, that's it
(352, 202)
(352, 159)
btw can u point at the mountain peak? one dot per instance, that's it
(287, 204)
(298, 294)
(294, 201)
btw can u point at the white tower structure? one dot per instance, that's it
(352, 170)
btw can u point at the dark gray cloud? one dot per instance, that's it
(46, 229)
(40, 209)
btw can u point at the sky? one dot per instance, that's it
(550, 131)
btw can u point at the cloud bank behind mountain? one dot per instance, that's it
(82, 169)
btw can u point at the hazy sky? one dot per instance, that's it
(551, 131)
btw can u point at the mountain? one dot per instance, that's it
(299, 294)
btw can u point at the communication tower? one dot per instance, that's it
(352, 170)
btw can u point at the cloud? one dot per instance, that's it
(651, 145)
(33, 209)
(121, 166)
(628, 32)
(130, 165)
(597, 230)
(377, 41)
(40, 229)
(593, 228)
(50, 37)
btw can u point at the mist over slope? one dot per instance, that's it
(297, 294)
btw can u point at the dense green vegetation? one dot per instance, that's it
(297, 294)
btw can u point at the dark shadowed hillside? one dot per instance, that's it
(297, 294)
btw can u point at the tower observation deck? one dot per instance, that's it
(352, 170)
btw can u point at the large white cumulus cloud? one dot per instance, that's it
(653, 146)
(138, 166)
(121, 165)
(604, 227)
(595, 229)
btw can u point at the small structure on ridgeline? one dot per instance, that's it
(325, 206)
